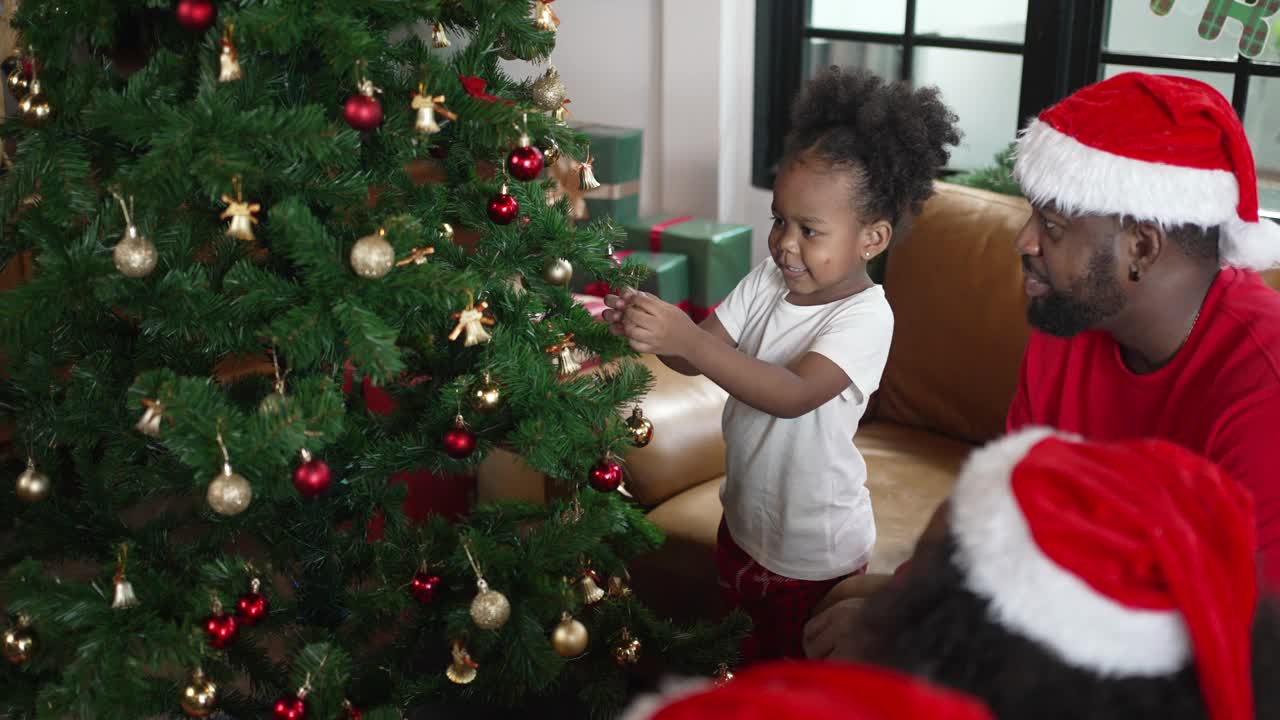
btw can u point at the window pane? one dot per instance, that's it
(988, 110)
(1134, 28)
(886, 16)
(1221, 82)
(1004, 20)
(883, 60)
(1262, 122)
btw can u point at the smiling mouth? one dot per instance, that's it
(791, 270)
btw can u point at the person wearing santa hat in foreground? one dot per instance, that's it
(1139, 264)
(1073, 579)
(811, 691)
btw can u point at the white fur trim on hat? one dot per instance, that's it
(1055, 168)
(1033, 596)
(670, 690)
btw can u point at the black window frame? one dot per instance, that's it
(1062, 52)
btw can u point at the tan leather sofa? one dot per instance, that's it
(956, 291)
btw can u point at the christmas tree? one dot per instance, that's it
(283, 250)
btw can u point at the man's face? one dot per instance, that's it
(1070, 270)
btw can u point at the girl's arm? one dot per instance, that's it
(782, 391)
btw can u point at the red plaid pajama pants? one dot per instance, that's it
(778, 606)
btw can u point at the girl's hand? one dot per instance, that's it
(658, 327)
(617, 305)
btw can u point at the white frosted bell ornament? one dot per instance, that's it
(241, 214)
(372, 256)
(228, 61)
(426, 107)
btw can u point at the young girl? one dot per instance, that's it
(800, 345)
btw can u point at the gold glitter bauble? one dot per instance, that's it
(558, 271)
(200, 698)
(548, 90)
(372, 256)
(570, 637)
(490, 609)
(627, 651)
(135, 256)
(229, 493)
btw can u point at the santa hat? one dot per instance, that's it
(1131, 559)
(814, 691)
(1150, 147)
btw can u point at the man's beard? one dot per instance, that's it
(1063, 314)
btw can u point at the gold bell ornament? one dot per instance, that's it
(544, 18)
(472, 321)
(426, 108)
(463, 669)
(563, 356)
(240, 213)
(439, 40)
(229, 60)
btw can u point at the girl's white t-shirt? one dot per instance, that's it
(795, 495)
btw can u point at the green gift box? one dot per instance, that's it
(617, 154)
(668, 276)
(719, 253)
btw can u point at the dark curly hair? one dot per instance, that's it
(930, 625)
(892, 138)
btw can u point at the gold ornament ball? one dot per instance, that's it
(372, 256)
(19, 644)
(558, 271)
(627, 652)
(200, 698)
(548, 91)
(229, 493)
(486, 397)
(641, 428)
(32, 486)
(271, 404)
(490, 610)
(135, 256)
(723, 676)
(19, 83)
(34, 108)
(551, 153)
(570, 638)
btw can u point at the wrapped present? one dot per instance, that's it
(668, 276)
(616, 154)
(719, 254)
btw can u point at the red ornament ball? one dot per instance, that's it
(250, 608)
(196, 15)
(353, 714)
(525, 163)
(362, 112)
(459, 442)
(312, 478)
(289, 708)
(503, 209)
(423, 587)
(220, 630)
(606, 476)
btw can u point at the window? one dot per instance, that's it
(1001, 61)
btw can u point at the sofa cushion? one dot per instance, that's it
(959, 316)
(909, 473)
(687, 448)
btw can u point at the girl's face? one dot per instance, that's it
(818, 241)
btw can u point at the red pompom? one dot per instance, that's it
(196, 15)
